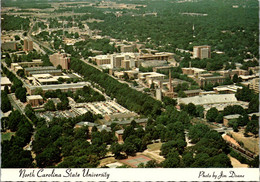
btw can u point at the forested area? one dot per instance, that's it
(13, 155)
(14, 23)
(5, 103)
(17, 87)
(224, 32)
(59, 144)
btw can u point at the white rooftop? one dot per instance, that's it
(227, 87)
(209, 99)
(5, 81)
(33, 97)
(232, 116)
(42, 76)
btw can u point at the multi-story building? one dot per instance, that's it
(231, 73)
(202, 52)
(60, 59)
(157, 56)
(127, 48)
(130, 60)
(5, 82)
(122, 60)
(254, 69)
(192, 71)
(254, 84)
(205, 79)
(30, 45)
(31, 89)
(27, 45)
(226, 89)
(192, 93)
(149, 77)
(34, 100)
(101, 59)
(34, 63)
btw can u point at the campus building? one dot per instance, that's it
(42, 70)
(34, 63)
(254, 85)
(202, 52)
(34, 100)
(192, 71)
(63, 87)
(60, 59)
(27, 45)
(5, 82)
(228, 118)
(127, 48)
(130, 60)
(204, 79)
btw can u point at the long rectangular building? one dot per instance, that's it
(42, 70)
(63, 87)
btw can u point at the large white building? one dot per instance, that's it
(220, 101)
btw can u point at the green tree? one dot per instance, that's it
(6, 89)
(187, 159)
(253, 127)
(172, 160)
(212, 114)
(196, 132)
(235, 78)
(254, 104)
(116, 149)
(49, 106)
(20, 93)
(181, 94)
(200, 111)
(5, 103)
(191, 109)
(16, 37)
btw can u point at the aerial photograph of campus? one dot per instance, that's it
(129, 84)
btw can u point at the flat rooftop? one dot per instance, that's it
(209, 99)
(60, 86)
(34, 97)
(232, 116)
(40, 68)
(103, 108)
(5, 81)
(44, 71)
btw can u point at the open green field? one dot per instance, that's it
(154, 146)
(7, 136)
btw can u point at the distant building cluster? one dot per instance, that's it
(132, 60)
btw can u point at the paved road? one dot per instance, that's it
(36, 41)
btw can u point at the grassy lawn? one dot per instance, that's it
(7, 136)
(202, 121)
(107, 160)
(154, 146)
(250, 143)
